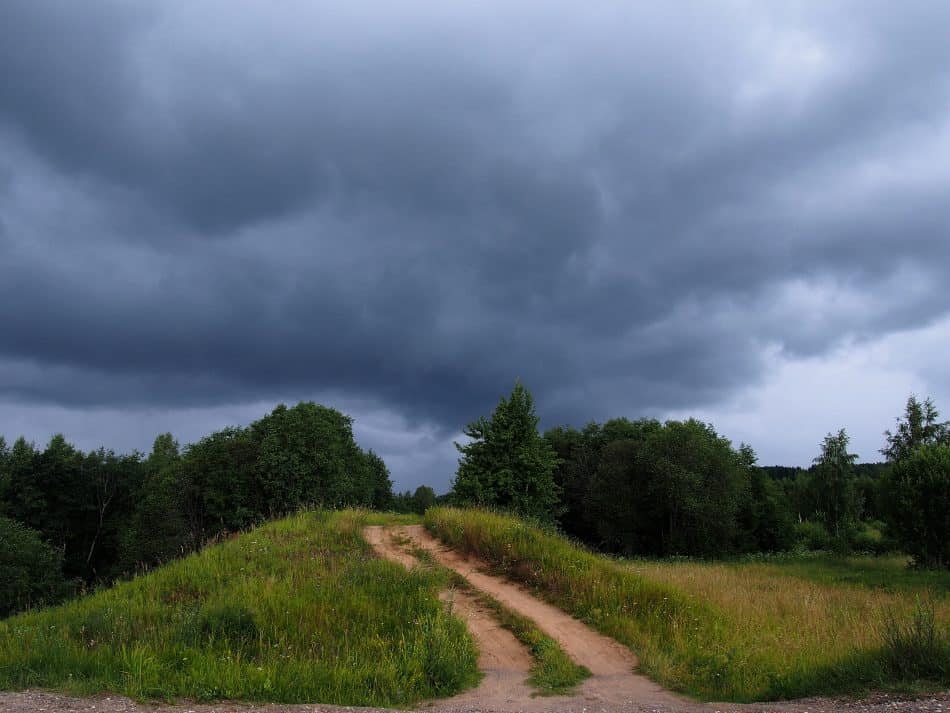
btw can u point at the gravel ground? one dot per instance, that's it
(30, 701)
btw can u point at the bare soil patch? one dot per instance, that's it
(504, 661)
(610, 663)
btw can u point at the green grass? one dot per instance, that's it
(553, 671)
(298, 610)
(371, 517)
(890, 573)
(723, 631)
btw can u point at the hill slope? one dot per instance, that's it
(298, 610)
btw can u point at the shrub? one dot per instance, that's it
(812, 536)
(31, 571)
(918, 490)
(869, 537)
(915, 647)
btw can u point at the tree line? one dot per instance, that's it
(642, 487)
(70, 520)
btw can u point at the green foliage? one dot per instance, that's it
(79, 503)
(506, 463)
(417, 501)
(814, 536)
(296, 611)
(764, 516)
(306, 454)
(919, 504)
(292, 457)
(650, 488)
(919, 427)
(4, 475)
(157, 530)
(111, 515)
(379, 486)
(833, 481)
(871, 538)
(422, 499)
(673, 488)
(30, 570)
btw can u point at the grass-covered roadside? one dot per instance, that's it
(298, 610)
(718, 631)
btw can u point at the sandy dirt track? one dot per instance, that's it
(613, 681)
(503, 660)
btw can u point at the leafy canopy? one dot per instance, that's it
(918, 427)
(833, 476)
(919, 504)
(506, 463)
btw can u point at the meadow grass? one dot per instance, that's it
(890, 573)
(723, 631)
(298, 610)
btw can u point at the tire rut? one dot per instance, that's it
(503, 660)
(610, 663)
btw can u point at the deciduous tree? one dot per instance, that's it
(833, 478)
(918, 427)
(919, 504)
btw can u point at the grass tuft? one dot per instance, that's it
(553, 671)
(914, 646)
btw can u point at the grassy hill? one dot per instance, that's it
(734, 631)
(298, 610)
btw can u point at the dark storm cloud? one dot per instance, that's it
(202, 203)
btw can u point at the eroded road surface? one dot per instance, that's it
(611, 664)
(504, 661)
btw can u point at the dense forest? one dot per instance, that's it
(678, 488)
(71, 521)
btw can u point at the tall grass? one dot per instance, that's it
(714, 631)
(890, 573)
(298, 610)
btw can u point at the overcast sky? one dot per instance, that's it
(738, 211)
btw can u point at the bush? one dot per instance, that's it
(869, 537)
(916, 647)
(918, 490)
(812, 536)
(31, 571)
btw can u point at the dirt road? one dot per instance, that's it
(611, 664)
(504, 661)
